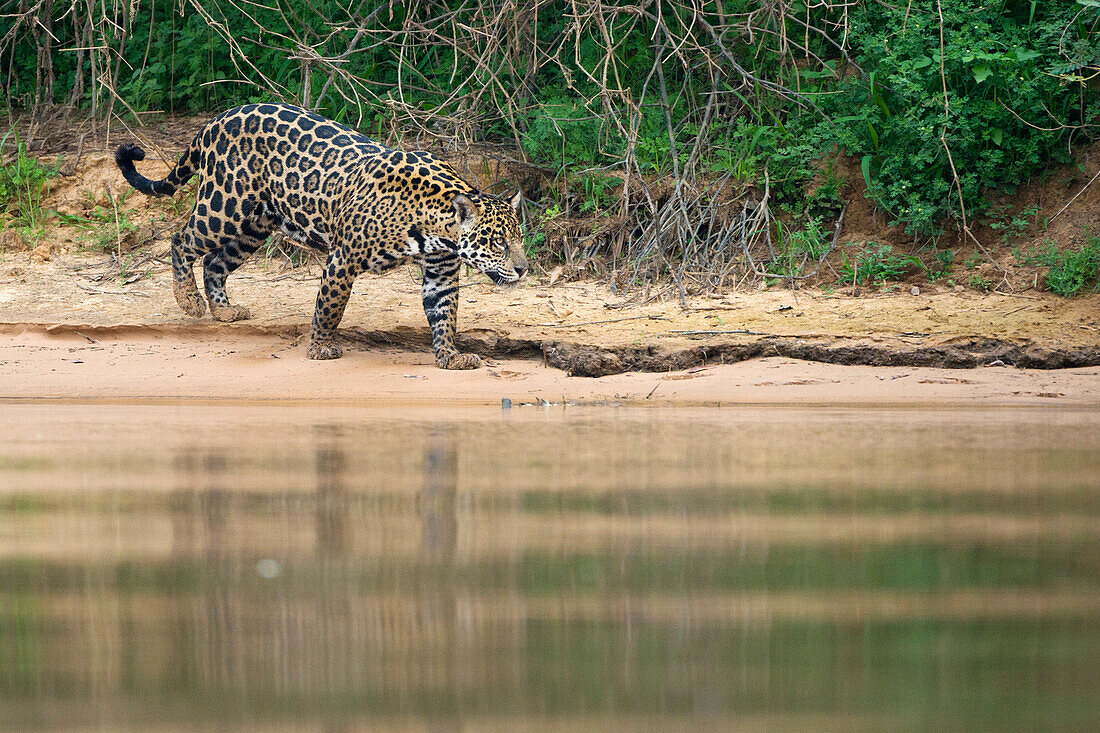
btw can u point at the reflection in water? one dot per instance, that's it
(593, 569)
(437, 499)
(333, 502)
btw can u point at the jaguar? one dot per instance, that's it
(275, 167)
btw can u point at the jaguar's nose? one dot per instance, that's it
(519, 261)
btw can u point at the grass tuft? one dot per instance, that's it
(1073, 271)
(24, 183)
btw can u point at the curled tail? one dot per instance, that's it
(185, 168)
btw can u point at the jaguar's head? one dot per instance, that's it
(489, 236)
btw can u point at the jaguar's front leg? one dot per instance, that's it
(441, 307)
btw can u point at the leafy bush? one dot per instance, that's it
(874, 263)
(999, 66)
(1072, 271)
(597, 192)
(565, 134)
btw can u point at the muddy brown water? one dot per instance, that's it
(230, 566)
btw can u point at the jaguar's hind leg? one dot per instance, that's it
(336, 282)
(184, 254)
(217, 265)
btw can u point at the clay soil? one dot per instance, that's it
(76, 324)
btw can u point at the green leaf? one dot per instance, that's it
(865, 164)
(1024, 54)
(996, 134)
(981, 72)
(874, 134)
(879, 100)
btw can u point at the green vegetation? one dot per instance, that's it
(980, 282)
(23, 182)
(1013, 226)
(597, 193)
(1003, 66)
(534, 241)
(1072, 271)
(875, 264)
(944, 104)
(105, 224)
(940, 266)
(800, 248)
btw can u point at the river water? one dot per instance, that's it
(221, 566)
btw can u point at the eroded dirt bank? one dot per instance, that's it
(68, 332)
(586, 328)
(243, 362)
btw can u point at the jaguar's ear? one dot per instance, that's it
(465, 211)
(517, 200)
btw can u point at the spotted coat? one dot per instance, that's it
(268, 167)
